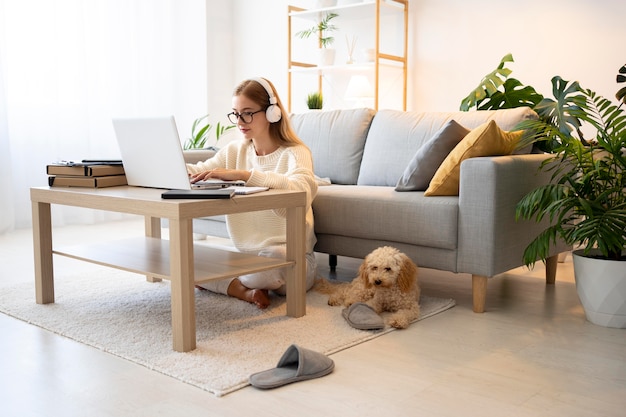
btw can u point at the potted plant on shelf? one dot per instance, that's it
(586, 200)
(200, 130)
(315, 101)
(322, 29)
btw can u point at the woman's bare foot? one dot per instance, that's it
(258, 297)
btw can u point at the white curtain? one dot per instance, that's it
(67, 67)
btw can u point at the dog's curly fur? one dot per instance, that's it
(387, 281)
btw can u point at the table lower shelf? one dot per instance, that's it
(151, 256)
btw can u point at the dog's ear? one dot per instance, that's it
(408, 274)
(363, 273)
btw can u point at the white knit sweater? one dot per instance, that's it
(289, 167)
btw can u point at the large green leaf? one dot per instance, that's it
(515, 94)
(488, 85)
(559, 113)
(621, 78)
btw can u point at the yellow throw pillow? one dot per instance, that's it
(486, 140)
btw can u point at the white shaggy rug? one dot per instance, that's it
(121, 313)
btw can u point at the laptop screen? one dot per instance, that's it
(153, 156)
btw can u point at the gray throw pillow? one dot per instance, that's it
(428, 158)
(336, 139)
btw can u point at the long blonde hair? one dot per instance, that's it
(282, 129)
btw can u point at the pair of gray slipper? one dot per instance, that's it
(296, 364)
(300, 364)
(363, 317)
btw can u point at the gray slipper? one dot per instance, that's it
(296, 364)
(363, 317)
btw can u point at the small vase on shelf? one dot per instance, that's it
(326, 3)
(351, 43)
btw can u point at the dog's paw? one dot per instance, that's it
(335, 301)
(398, 321)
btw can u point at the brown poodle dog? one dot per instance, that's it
(387, 282)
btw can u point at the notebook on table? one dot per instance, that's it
(198, 194)
(226, 192)
(153, 156)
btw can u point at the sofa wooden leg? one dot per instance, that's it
(479, 293)
(332, 262)
(551, 264)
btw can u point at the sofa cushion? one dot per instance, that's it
(336, 140)
(380, 213)
(486, 140)
(395, 136)
(428, 158)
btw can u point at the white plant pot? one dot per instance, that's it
(326, 57)
(601, 286)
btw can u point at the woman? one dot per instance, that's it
(270, 155)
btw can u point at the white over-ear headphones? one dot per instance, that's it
(273, 113)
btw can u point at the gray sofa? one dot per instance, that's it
(363, 154)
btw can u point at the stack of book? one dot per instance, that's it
(92, 174)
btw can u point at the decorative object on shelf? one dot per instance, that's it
(350, 43)
(323, 28)
(369, 55)
(586, 200)
(321, 4)
(315, 101)
(200, 133)
(360, 90)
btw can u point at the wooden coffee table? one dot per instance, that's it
(176, 259)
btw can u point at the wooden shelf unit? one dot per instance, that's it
(372, 10)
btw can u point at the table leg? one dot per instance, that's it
(296, 276)
(182, 285)
(42, 245)
(152, 227)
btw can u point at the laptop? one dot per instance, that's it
(153, 157)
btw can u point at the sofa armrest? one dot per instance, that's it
(490, 240)
(196, 155)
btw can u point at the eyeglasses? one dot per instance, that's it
(246, 116)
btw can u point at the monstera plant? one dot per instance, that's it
(585, 202)
(497, 91)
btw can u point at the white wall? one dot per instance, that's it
(454, 43)
(220, 58)
(260, 41)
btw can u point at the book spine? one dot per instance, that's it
(85, 170)
(87, 182)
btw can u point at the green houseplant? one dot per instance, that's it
(200, 130)
(497, 91)
(315, 101)
(323, 28)
(586, 199)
